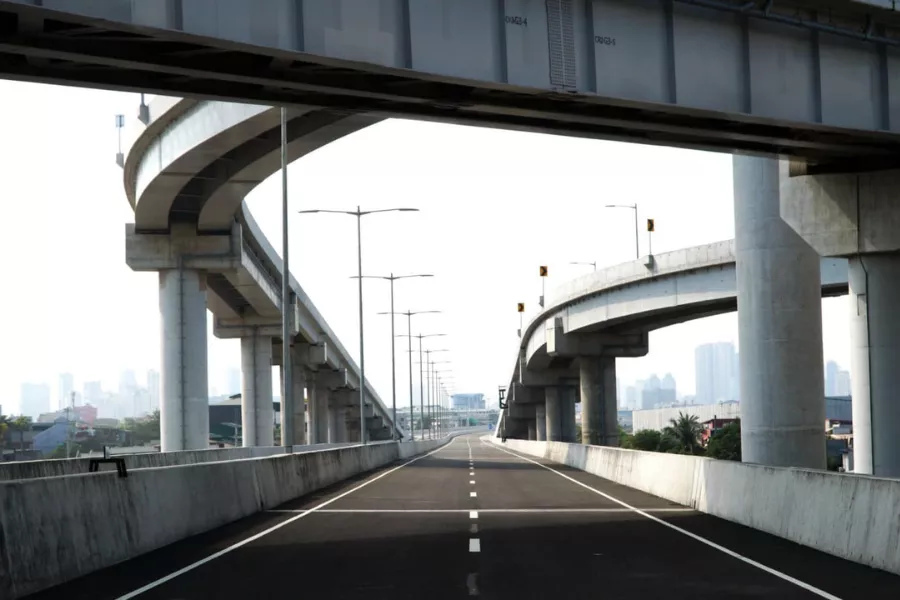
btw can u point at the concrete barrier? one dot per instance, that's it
(54, 529)
(32, 469)
(850, 516)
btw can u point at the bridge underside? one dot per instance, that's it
(47, 46)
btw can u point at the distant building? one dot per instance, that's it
(831, 371)
(153, 389)
(631, 398)
(842, 383)
(716, 368)
(467, 401)
(66, 389)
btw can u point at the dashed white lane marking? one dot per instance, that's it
(473, 494)
(471, 482)
(471, 473)
(702, 540)
(253, 538)
(474, 545)
(480, 510)
(473, 528)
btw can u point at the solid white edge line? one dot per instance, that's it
(474, 545)
(723, 549)
(252, 538)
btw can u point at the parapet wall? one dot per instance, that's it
(54, 529)
(850, 516)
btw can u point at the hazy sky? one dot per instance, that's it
(494, 206)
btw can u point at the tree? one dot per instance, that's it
(626, 440)
(685, 433)
(145, 429)
(646, 439)
(725, 444)
(20, 424)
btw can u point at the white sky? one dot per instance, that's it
(495, 205)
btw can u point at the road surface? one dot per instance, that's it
(472, 519)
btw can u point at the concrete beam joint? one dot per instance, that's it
(182, 248)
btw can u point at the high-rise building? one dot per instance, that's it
(841, 384)
(631, 398)
(831, 375)
(233, 379)
(127, 383)
(153, 389)
(66, 388)
(716, 368)
(467, 401)
(34, 399)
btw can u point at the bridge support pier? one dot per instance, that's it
(855, 215)
(298, 404)
(184, 406)
(599, 423)
(567, 397)
(257, 410)
(320, 420)
(540, 421)
(337, 425)
(779, 326)
(552, 415)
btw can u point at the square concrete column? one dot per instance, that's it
(321, 421)
(553, 417)
(779, 294)
(540, 421)
(298, 406)
(599, 422)
(312, 407)
(184, 401)
(257, 408)
(567, 398)
(532, 430)
(337, 424)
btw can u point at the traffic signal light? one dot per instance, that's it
(651, 226)
(543, 271)
(521, 306)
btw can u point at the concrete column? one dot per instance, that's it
(567, 413)
(540, 421)
(874, 361)
(337, 425)
(184, 401)
(312, 435)
(779, 326)
(599, 422)
(321, 421)
(532, 430)
(298, 385)
(257, 410)
(553, 419)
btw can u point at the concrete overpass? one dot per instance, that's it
(813, 80)
(195, 162)
(608, 314)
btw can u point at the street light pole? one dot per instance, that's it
(287, 400)
(359, 214)
(409, 314)
(634, 207)
(392, 278)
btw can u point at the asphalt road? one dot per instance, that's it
(474, 520)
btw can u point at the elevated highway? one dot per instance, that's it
(611, 312)
(811, 80)
(186, 176)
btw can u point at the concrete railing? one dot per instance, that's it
(850, 516)
(55, 529)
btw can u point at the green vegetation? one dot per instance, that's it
(684, 435)
(144, 429)
(725, 444)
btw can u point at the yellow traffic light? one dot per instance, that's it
(651, 226)
(543, 271)
(521, 306)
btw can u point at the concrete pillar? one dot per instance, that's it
(567, 397)
(337, 424)
(779, 326)
(298, 406)
(321, 421)
(312, 409)
(874, 361)
(184, 401)
(599, 419)
(540, 421)
(553, 420)
(532, 430)
(257, 410)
